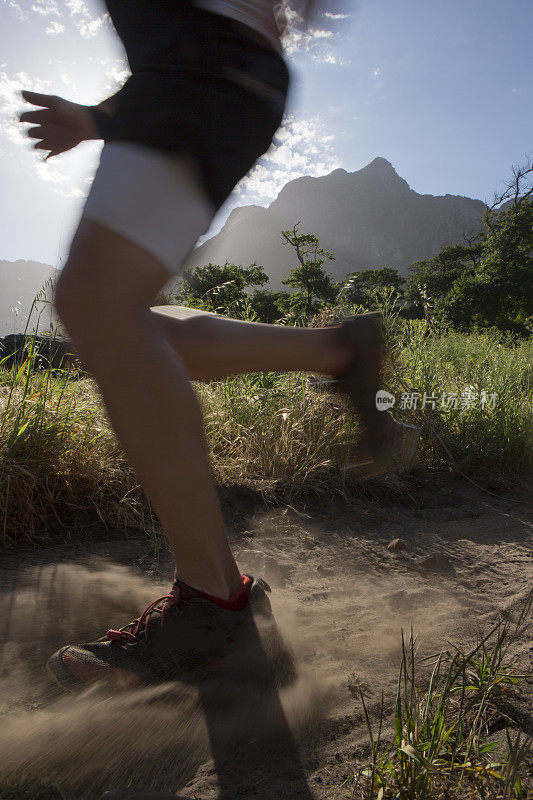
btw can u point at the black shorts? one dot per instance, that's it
(211, 93)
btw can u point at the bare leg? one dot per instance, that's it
(103, 298)
(212, 347)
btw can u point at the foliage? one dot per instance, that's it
(61, 468)
(313, 287)
(499, 293)
(218, 288)
(270, 306)
(442, 745)
(359, 288)
(487, 283)
(431, 281)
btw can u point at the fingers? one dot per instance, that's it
(38, 99)
(39, 117)
(51, 151)
(35, 133)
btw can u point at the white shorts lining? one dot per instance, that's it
(154, 199)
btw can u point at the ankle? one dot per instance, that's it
(214, 585)
(338, 354)
(237, 600)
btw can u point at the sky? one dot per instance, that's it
(442, 89)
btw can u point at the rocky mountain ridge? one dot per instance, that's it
(369, 218)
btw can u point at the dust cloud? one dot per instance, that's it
(95, 740)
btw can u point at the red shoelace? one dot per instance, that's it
(130, 633)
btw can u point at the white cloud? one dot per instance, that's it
(69, 81)
(46, 8)
(331, 15)
(301, 147)
(77, 7)
(314, 41)
(52, 173)
(57, 173)
(86, 23)
(331, 58)
(47, 172)
(297, 40)
(117, 72)
(55, 28)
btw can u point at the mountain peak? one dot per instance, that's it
(380, 163)
(382, 176)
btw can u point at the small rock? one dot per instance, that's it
(396, 545)
(436, 562)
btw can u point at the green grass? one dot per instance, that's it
(442, 748)
(62, 470)
(466, 366)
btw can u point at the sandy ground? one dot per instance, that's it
(341, 598)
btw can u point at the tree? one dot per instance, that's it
(487, 282)
(270, 306)
(314, 286)
(359, 287)
(430, 281)
(499, 292)
(219, 288)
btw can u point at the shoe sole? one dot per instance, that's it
(280, 669)
(66, 680)
(60, 674)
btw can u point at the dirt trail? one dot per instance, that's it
(341, 599)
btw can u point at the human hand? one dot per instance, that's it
(60, 124)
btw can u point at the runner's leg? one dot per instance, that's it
(103, 297)
(212, 347)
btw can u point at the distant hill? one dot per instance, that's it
(368, 218)
(20, 282)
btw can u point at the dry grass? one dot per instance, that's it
(62, 469)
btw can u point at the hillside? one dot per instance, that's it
(21, 281)
(368, 218)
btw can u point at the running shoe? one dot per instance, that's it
(386, 443)
(183, 635)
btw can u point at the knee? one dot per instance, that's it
(185, 333)
(86, 306)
